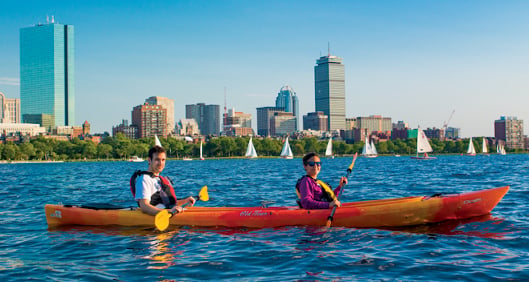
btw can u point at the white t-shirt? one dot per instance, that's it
(146, 186)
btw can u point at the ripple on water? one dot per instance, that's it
(481, 249)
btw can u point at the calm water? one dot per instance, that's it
(490, 247)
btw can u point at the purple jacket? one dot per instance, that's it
(311, 194)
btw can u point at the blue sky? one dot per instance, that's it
(415, 61)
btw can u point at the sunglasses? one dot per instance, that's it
(313, 163)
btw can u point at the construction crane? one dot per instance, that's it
(445, 124)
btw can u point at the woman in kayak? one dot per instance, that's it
(312, 192)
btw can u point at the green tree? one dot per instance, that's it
(382, 147)
(104, 151)
(27, 151)
(212, 148)
(312, 145)
(298, 148)
(228, 146)
(89, 150)
(9, 152)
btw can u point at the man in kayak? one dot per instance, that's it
(154, 192)
(312, 192)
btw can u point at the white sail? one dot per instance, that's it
(423, 146)
(484, 149)
(328, 150)
(157, 141)
(500, 149)
(201, 157)
(471, 150)
(373, 148)
(365, 150)
(286, 152)
(369, 149)
(250, 151)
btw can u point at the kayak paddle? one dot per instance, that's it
(161, 220)
(349, 170)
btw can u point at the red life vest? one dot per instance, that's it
(165, 196)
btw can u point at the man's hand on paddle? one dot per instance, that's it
(191, 201)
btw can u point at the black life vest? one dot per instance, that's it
(328, 193)
(165, 196)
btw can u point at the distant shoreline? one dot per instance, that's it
(224, 158)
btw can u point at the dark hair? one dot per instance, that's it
(155, 150)
(308, 156)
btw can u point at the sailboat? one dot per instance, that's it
(157, 141)
(500, 149)
(201, 157)
(328, 150)
(484, 149)
(286, 152)
(423, 146)
(471, 151)
(250, 151)
(369, 151)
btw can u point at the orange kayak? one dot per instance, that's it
(374, 213)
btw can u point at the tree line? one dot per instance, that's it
(121, 147)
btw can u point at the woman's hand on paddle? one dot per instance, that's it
(343, 181)
(335, 203)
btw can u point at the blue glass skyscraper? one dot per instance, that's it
(287, 99)
(47, 74)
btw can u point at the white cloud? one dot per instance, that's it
(9, 81)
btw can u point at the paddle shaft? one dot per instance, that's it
(349, 170)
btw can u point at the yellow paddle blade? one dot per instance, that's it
(161, 220)
(203, 194)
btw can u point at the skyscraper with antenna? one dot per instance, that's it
(47, 88)
(329, 87)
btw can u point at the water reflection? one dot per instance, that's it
(472, 227)
(480, 226)
(161, 247)
(162, 253)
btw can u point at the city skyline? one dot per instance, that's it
(409, 60)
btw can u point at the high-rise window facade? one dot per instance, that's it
(150, 119)
(282, 123)
(9, 109)
(374, 124)
(47, 73)
(287, 99)
(329, 86)
(207, 117)
(264, 115)
(510, 131)
(315, 121)
(167, 104)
